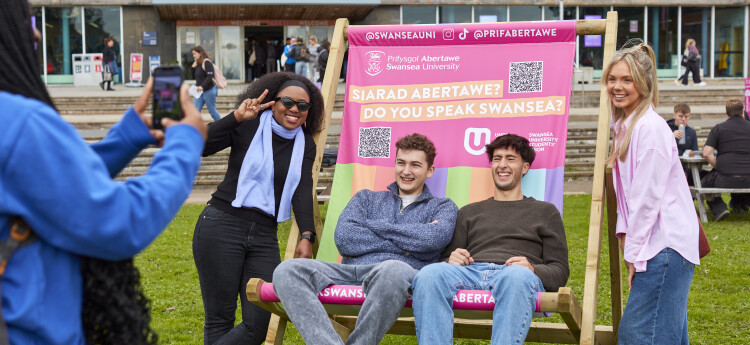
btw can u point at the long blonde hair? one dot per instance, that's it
(688, 43)
(642, 63)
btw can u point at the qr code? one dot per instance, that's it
(374, 142)
(525, 77)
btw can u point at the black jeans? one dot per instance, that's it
(692, 66)
(228, 251)
(739, 200)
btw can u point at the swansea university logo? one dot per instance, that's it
(481, 138)
(374, 62)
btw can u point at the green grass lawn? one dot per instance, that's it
(717, 311)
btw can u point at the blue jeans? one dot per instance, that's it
(208, 97)
(656, 312)
(514, 289)
(301, 68)
(297, 283)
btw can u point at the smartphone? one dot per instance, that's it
(167, 82)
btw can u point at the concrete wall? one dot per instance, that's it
(382, 15)
(136, 20)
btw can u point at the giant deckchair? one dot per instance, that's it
(579, 318)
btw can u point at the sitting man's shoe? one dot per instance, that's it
(101, 85)
(721, 216)
(738, 209)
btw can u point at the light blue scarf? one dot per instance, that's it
(255, 184)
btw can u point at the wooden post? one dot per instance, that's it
(591, 280)
(615, 259)
(277, 325)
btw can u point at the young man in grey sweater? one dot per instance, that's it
(511, 245)
(384, 239)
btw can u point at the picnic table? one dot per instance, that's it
(699, 192)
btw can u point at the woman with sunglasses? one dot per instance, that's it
(269, 173)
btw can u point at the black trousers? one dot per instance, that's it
(739, 201)
(692, 66)
(228, 251)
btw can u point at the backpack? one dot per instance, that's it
(21, 235)
(219, 79)
(304, 54)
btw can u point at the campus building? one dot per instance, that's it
(169, 28)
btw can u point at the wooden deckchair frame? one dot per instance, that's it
(579, 326)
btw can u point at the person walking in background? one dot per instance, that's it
(301, 57)
(260, 58)
(75, 282)
(656, 221)
(313, 48)
(322, 60)
(691, 59)
(290, 63)
(203, 70)
(270, 56)
(109, 59)
(249, 59)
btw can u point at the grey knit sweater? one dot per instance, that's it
(373, 228)
(494, 231)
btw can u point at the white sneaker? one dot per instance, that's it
(677, 82)
(701, 84)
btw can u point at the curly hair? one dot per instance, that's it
(514, 142)
(115, 309)
(272, 82)
(419, 142)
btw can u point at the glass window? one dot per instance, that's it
(730, 23)
(455, 14)
(230, 58)
(187, 39)
(490, 14)
(662, 32)
(63, 38)
(591, 47)
(101, 23)
(569, 12)
(525, 13)
(553, 12)
(696, 24)
(418, 14)
(629, 24)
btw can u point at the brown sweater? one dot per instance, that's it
(493, 231)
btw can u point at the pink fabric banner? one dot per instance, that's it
(353, 295)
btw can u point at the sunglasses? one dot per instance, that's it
(288, 102)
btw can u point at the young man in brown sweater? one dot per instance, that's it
(511, 245)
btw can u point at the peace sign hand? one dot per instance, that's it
(251, 107)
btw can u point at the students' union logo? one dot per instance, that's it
(374, 60)
(481, 137)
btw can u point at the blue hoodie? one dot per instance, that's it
(373, 228)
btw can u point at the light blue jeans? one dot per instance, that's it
(297, 282)
(209, 99)
(301, 68)
(656, 312)
(514, 289)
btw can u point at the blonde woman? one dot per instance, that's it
(692, 59)
(656, 220)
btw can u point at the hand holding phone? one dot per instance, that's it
(191, 115)
(166, 94)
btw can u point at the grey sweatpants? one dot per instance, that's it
(297, 282)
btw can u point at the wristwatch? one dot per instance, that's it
(309, 237)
